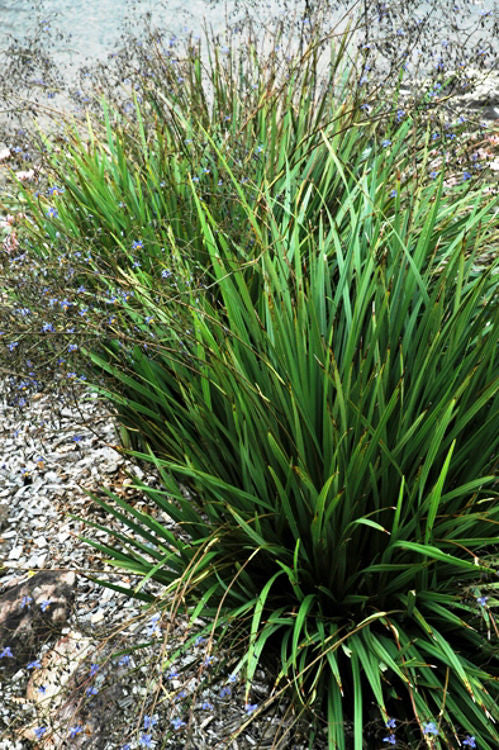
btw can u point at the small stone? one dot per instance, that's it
(26, 175)
(16, 553)
(51, 477)
(36, 562)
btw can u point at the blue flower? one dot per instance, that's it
(91, 690)
(34, 664)
(25, 601)
(466, 176)
(137, 245)
(149, 721)
(145, 740)
(52, 212)
(386, 142)
(6, 652)
(393, 193)
(72, 347)
(250, 707)
(429, 727)
(73, 731)
(45, 604)
(433, 174)
(469, 741)
(94, 668)
(39, 732)
(124, 660)
(391, 739)
(207, 706)
(482, 600)
(391, 723)
(172, 674)
(177, 723)
(225, 692)
(42, 689)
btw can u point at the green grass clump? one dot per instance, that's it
(331, 409)
(318, 391)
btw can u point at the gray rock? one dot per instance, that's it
(52, 477)
(4, 514)
(31, 613)
(16, 553)
(67, 666)
(36, 562)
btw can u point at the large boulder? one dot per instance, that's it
(74, 697)
(31, 613)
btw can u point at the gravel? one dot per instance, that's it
(50, 453)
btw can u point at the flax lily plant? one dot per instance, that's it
(330, 405)
(318, 397)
